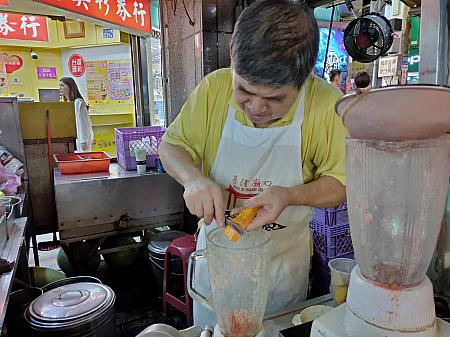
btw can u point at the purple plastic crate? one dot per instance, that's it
(130, 139)
(331, 216)
(331, 241)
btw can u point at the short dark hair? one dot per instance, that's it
(275, 43)
(334, 73)
(362, 80)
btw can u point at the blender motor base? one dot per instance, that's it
(332, 325)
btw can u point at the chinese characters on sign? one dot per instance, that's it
(388, 66)
(242, 188)
(77, 65)
(133, 14)
(23, 27)
(46, 73)
(245, 185)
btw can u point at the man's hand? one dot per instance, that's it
(204, 199)
(272, 202)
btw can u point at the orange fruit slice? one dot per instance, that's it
(244, 218)
(231, 233)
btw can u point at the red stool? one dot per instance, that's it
(182, 247)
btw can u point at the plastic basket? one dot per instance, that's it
(331, 216)
(331, 241)
(130, 139)
(84, 162)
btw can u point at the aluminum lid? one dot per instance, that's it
(160, 241)
(70, 302)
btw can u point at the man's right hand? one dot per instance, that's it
(204, 199)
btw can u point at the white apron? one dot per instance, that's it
(248, 161)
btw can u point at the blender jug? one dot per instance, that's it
(239, 279)
(396, 194)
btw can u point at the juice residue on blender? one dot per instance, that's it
(393, 277)
(240, 324)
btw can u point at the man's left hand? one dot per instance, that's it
(271, 202)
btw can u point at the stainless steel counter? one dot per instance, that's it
(98, 204)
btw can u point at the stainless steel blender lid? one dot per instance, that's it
(397, 113)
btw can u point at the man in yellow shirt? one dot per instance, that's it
(265, 135)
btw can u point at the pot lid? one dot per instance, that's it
(71, 301)
(160, 241)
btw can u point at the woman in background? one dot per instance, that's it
(85, 135)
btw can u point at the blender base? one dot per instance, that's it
(332, 325)
(217, 332)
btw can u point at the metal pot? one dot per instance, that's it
(70, 280)
(156, 251)
(18, 303)
(81, 309)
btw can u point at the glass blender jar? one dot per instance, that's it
(397, 194)
(239, 280)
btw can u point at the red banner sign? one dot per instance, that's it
(134, 14)
(23, 27)
(77, 65)
(3, 2)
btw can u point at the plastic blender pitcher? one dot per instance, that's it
(396, 194)
(239, 280)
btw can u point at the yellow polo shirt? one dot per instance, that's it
(198, 127)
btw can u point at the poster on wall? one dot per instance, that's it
(120, 76)
(97, 82)
(337, 55)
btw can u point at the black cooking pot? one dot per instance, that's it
(18, 302)
(70, 308)
(156, 250)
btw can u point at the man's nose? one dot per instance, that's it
(257, 106)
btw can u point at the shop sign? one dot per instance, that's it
(413, 61)
(46, 73)
(4, 3)
(134, 14)
(108, 33)
(23, 27)
(156, 34)
(388, 66)
(77, 65)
